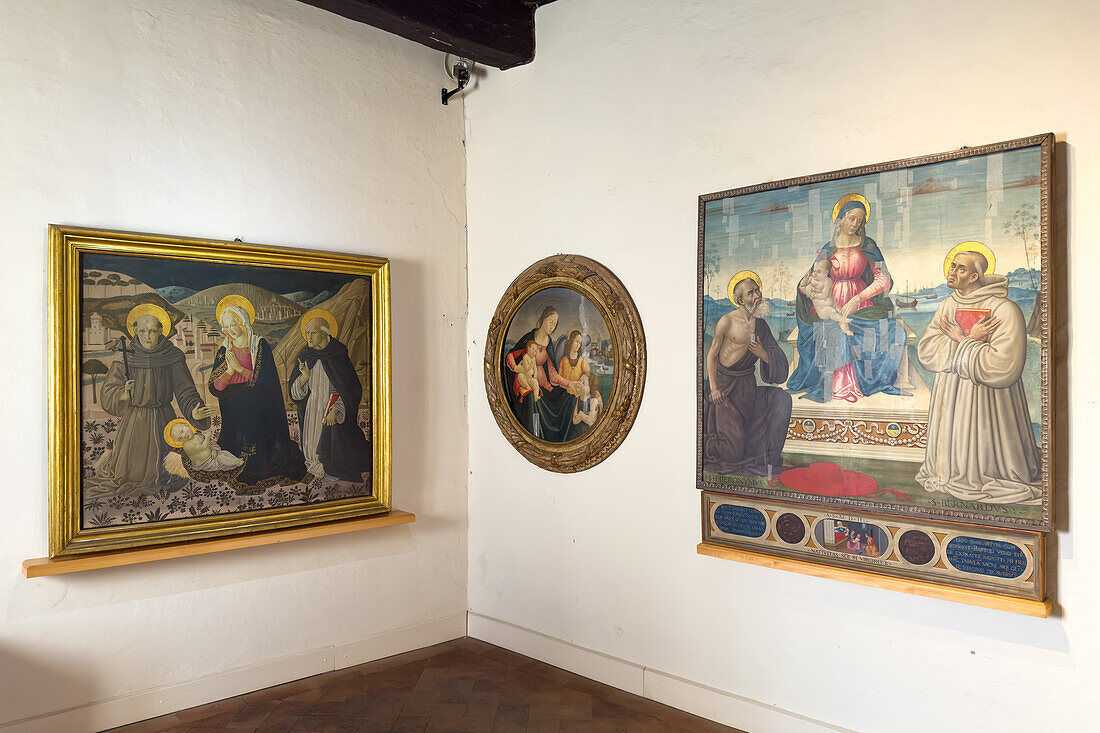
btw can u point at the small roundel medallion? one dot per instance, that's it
(916, 547)
(790, 528)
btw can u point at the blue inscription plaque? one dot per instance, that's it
(740, 520)
(986, 557)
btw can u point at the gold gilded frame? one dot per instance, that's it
(600, 286)
(67, 244)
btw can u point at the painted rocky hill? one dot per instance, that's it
(175, 293)
(352, 308)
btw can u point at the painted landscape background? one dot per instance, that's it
(575, 312)
(917, 215)
(189, 292)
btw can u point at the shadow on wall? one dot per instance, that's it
(32, 692)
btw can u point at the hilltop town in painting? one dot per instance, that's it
(210, 388)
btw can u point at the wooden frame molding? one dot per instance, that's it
(42, 566)
(1039, 609)
(606, 292)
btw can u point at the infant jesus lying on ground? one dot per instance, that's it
(818, 287)
(204, 454)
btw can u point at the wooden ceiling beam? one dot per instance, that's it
(498, 33)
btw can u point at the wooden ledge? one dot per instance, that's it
(41, 566)
(1025, 606)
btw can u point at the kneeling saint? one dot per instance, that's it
(981, 446)
(744, 423)
(327, 391)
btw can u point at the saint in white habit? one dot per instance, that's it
(327, 391)
(980, 442)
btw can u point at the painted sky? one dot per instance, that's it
(575, 312)
(917, 215)
(159, 272)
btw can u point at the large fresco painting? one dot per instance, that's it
(878, 338)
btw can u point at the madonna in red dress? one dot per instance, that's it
(831, 363)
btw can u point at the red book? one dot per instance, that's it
(331, 401)
(967, 317)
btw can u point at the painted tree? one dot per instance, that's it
(94, 368)
(1023, 225)
(711, 264)
(781, 285)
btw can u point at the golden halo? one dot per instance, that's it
(168, 432)
(149, 309)
(853, 197)
(241, 302)
(738, 278)
(322, 314)
(971, 247)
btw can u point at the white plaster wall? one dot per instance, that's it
(632, 109)
(278, 123)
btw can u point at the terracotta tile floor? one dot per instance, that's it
(461, 686)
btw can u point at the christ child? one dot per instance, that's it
(203, 453)
(818, 287)
(527, 380)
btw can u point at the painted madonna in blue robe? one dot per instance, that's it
(831, 363)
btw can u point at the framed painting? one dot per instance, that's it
(201, 388)
(565, 363)
(879, 338)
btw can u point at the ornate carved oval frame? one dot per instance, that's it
(606, 292)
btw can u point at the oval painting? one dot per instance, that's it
(558, 366)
